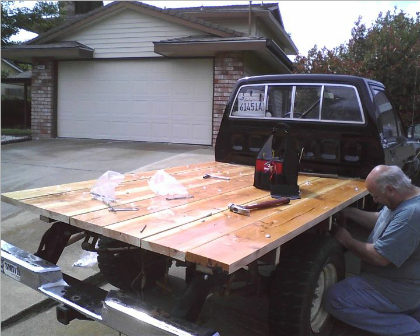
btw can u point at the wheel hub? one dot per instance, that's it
(327, 278)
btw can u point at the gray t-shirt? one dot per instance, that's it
(396, 236)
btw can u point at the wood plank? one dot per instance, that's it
(238, 249)
(180, 240)
(10, 197)
(73, 203)
(130, 231)
(200, 188)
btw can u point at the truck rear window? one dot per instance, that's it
(318, 102)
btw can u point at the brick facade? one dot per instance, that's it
(228, 68)
(42, 95)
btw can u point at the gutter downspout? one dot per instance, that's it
(250, 19)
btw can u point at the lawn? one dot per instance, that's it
(15, 131)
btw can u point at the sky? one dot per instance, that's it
(324, 23)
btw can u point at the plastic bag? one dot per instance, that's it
(87, 259)
(104, 188)
(164, 184)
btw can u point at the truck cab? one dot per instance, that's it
(343, 125)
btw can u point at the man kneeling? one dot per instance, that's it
(385, 298)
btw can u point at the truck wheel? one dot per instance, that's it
(300, 280)
(120, 269)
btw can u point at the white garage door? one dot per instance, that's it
(141, 100)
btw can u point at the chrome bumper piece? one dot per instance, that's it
(115, 309)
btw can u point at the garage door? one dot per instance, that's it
(141, 100)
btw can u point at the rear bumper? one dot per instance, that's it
(115, 309)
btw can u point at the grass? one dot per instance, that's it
(15, 131)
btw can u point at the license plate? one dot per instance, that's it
(251, 106)
(10, 270)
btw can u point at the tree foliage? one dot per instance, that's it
(42, 17)
(388, 52)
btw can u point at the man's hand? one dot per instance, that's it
(342, 235)
(366, 252)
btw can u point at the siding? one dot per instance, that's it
(128, 34)
(263, 31)
(254, 66)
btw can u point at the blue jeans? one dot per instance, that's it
(355, 302)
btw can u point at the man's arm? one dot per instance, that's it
(365, 219)
(364, 251)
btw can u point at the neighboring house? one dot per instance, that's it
(11, 90)
(131, 71)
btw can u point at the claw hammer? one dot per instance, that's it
(246, 209)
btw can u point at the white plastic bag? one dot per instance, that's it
(164, 184)
(104, 188)
(87, 259)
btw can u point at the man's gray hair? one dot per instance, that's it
(394, 177)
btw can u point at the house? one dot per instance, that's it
(132, 71)
(8, 69)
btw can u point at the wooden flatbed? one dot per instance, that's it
(199, 229)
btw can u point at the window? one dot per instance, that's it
(279, 101)
(321, 102)
(340, 103)
(250, 102)
(307, 102)
(386, 116)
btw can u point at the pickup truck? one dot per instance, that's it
(341, 126)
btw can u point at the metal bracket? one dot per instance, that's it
(54, 241)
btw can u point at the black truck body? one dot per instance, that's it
(355, 129)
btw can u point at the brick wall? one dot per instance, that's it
(42, 95)
(228, 68)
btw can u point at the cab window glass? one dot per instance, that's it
(279, 104)
(340, 103)
(307, 102)
(250, 102)
(386, 115)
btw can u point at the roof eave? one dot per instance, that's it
(289, 46)
(263, 47)
(26, 54)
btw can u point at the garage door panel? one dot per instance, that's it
(143, 100)
(162, 88)
(182, 110)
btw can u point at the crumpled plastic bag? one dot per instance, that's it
(164, 184)
(104, 188)
(87, 259)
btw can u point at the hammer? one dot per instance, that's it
(246, 209)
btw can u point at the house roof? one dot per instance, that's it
(269, 13)
(61, 50)
(23, 78)
(273, 7)
(179, 17)
(12, 64)
(191, 46)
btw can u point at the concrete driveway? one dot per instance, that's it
(42, 163)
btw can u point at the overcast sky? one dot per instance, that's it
(324, 23)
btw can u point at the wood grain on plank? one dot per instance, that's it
(159, 222)
(248, 244)
(73, 203)
(202, 189)
(178, 241)
(58, 189)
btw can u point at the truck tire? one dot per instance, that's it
(120, 269)
(305, 271)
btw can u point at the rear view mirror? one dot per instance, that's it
(414, 132)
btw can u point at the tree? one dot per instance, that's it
(389, 52)
(43, 17)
